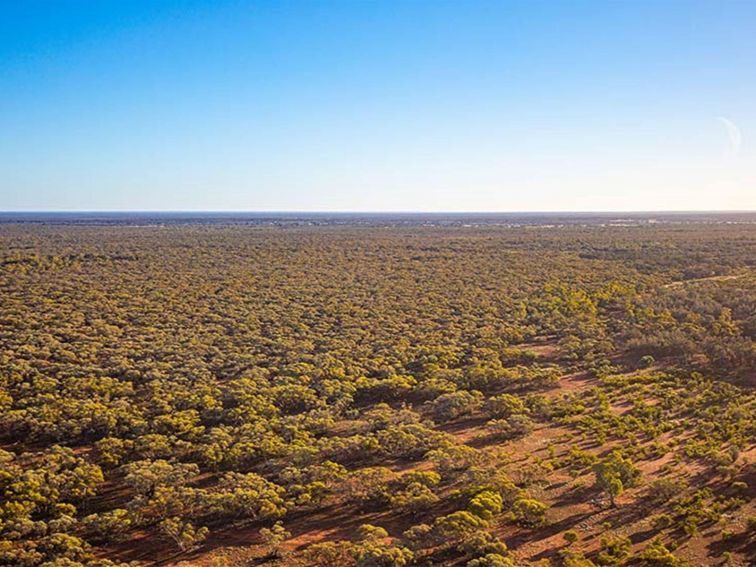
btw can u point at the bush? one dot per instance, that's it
(373, 555)
(486, 504)
(740, 486)
(330, 554)
(483, 543)
(613, 550)
(515, 426)
(108, 526)
(455, 404)
(661, 521)
(528, 512)
(369, 532)
(663, 490)
(657, 555)
(505, 405)
(458, 525)
(273, 537)
(183, 533)
(647, 361)
(491, 560)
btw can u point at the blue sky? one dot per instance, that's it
(385, 106)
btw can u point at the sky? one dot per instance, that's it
(377, 105)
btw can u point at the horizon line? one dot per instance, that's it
(382, 212)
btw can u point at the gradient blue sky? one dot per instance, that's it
(414, 106)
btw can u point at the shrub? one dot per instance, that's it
(458, 525)
(663, 490)
(505, 405)
(515, 426)
(613, 550)
(486, 504)
(108, 526)
(373, 555)
(528, 512)
(455, 404)
(369, 532)
(740, 486)
(657, 555)
(273, 537)
(482, 543)
(491, 560)
(661, 521)
(330, 554)
(183, 533)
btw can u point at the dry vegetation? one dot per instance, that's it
(372, 396)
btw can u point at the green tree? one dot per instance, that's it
(273, 537)
(529, 512)
(614, 474)
(486, 504)
(183, 533)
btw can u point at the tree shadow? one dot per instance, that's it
(744, 543)
(545, 532)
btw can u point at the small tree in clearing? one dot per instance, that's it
(273, 537)
(614, 474)
(183, 533)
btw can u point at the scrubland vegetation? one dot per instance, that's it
(372, 396)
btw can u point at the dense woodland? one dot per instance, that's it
(374, 396)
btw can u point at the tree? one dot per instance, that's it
(145, 476)
(647, 361)
(411, 440)
(514, 426)
(183, 533)
(420, 536)
(614, 474)
(482, 543)
(504, 406)
(455, 458)
(529, 512)
(657, 555)
(61, 546)
(331, 554)
(249, 495)
(613, 550)
(376, 555)
(413, 497)
(112, 450)
(663, 490)
(273, 537)
(112, 525)
(491, 560)
(369, 532)
(486, 504)
(453, 405)
(458, 525)
(369, 485)
(223, 375)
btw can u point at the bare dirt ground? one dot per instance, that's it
(574, 504)
(707, 279)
